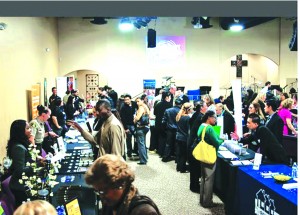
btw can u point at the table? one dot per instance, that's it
(86, 196)
(225, 180)
(258, 195)
(66, 191)
(71, 163)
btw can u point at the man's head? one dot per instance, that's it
(268, 84)
(99, 90)
(54, 91)
(178, 101)
(203, 107)
(271, 106)
(221, 98)
(173, 89)
(127, 99)
(166, 96)
(253, 121)
(103, 109)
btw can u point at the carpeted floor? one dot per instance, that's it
(170, 189)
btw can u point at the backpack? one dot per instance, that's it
(139, 200)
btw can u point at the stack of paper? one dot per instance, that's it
(290, 186)
(227, 154)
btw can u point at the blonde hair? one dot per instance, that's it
(223, 107)
(36, 207)
(261, 96)
(184, 111)
(258, 110)
(287, 103)
(211, 100)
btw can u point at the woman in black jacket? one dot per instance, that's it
(17, 150)
(70, 109)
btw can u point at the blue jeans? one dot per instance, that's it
(129, 139)
(140, 138)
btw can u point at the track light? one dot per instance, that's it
(236, 26)
(125, 24)
(201, 22)
(2, 26)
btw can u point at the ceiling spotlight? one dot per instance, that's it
(201, 22)
(2, 26)
(236, 26)
(137, 25)
(125, 24)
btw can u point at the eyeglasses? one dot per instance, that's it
(106, 190)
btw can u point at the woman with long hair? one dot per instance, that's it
(17, 150)
(208, 170)
(58, 118)
(254, 107)
(286, 116)
(70, 108)
(209, 102)
(141, 129)
(182, 133)
(38, 126)
(260, 99)
(112, 178)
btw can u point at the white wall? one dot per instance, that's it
(122, 57)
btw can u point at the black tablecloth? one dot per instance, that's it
(225, 180)
(86, 196)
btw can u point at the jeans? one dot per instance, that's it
(140, 138)
(129, 139)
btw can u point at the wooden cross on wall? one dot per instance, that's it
(239, 63)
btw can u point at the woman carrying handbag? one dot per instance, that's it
(141, 121)
(208, 170)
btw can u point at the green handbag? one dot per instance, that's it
(205, 152)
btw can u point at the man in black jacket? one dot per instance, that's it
(127, 112)
(268, 145)
(159, 111)
(274, 122)
(169, 120)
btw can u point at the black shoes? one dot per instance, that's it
(195, 189)
(210, 205)
(140, 163)
(167, 159)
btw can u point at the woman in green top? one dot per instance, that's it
(208, 170)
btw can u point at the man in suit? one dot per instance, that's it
(274, 123)
(268, 145)
(159, 111)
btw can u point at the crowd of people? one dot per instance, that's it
(121, 125)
